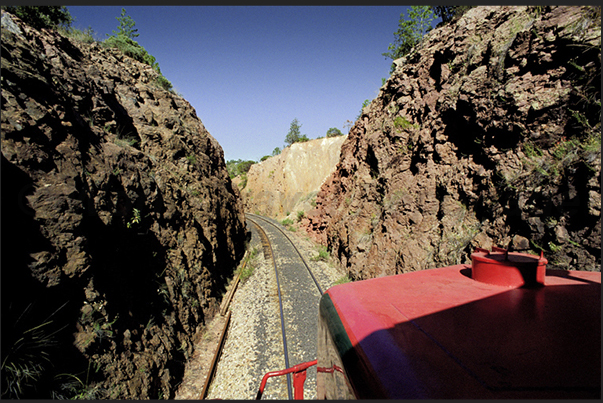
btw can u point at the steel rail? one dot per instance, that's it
(214, 361)
(223, 309)
(268, 246)
(292, 244)
(226, 302)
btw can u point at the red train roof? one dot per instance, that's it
(438, 333)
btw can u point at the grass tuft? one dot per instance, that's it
(323, 254)
(343, 280)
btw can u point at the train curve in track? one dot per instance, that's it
(299, 294)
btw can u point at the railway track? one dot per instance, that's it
(273, 323)
(299, 292)
(267, 221)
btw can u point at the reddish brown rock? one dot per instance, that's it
(117, 213)
(487, 131)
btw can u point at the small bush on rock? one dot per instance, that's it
(123, 39)
(323, 254)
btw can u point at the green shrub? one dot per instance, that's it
(366, 103)
(164, 83)
(42, 16)
(136, 218)
(126, 141)
(531, 150)
(300, 215)
(294, 133)
(403, 123)
(238, 167)
(76, 389)
(342, 280)
(246, 272)
(334, 132)
(85, 36)
(131, 48)
(28, 341)
(452, 13)
(323, 254)
(411, 30)
(243, 182)
(254, 253)
(286, 222)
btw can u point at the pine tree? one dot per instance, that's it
(294, 133)
(410, 31)
(126, 26)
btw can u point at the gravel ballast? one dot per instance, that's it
(254, 345)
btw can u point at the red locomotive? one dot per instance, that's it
(503, 327)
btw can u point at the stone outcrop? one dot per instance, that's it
(487, 133)
(284, 184)
(120, 224)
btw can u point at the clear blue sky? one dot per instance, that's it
(250, 70)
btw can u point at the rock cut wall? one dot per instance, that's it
(120, 225)
(487, 133)
(287, 183)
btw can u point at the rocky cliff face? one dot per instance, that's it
(120, 225)
(287, 183)
(488, 133)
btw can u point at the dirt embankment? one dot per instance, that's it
(120, 225)
(487, 133)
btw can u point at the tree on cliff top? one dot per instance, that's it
(123, 39)
(410, 31)
(126, 26)
(294, 135)
(333, 132)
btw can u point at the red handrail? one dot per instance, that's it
(299, 378)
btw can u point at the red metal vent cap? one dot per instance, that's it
(511, 269)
